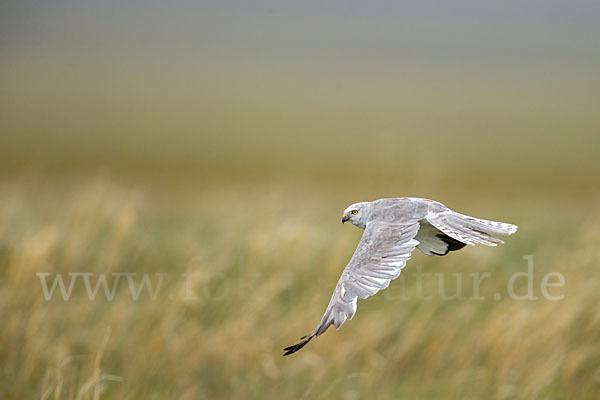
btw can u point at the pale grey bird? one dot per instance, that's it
(393, 228)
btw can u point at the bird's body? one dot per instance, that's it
(393, 228)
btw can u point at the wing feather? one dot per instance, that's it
(379, 257)
(468, 229)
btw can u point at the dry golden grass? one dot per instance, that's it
(267, 257)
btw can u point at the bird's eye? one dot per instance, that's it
(354, 211)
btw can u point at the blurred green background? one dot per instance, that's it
(137, 136)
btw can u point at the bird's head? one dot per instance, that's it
(357, 214)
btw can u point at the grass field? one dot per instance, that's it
(267, 254)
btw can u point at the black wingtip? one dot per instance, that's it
(452, 244)
(294, 348)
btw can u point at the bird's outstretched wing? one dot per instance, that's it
(466, 229)
(380, 255)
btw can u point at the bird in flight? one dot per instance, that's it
(393, 228)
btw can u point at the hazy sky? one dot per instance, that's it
(561, 36)
(207, 76)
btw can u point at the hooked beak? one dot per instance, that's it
(345, 218)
